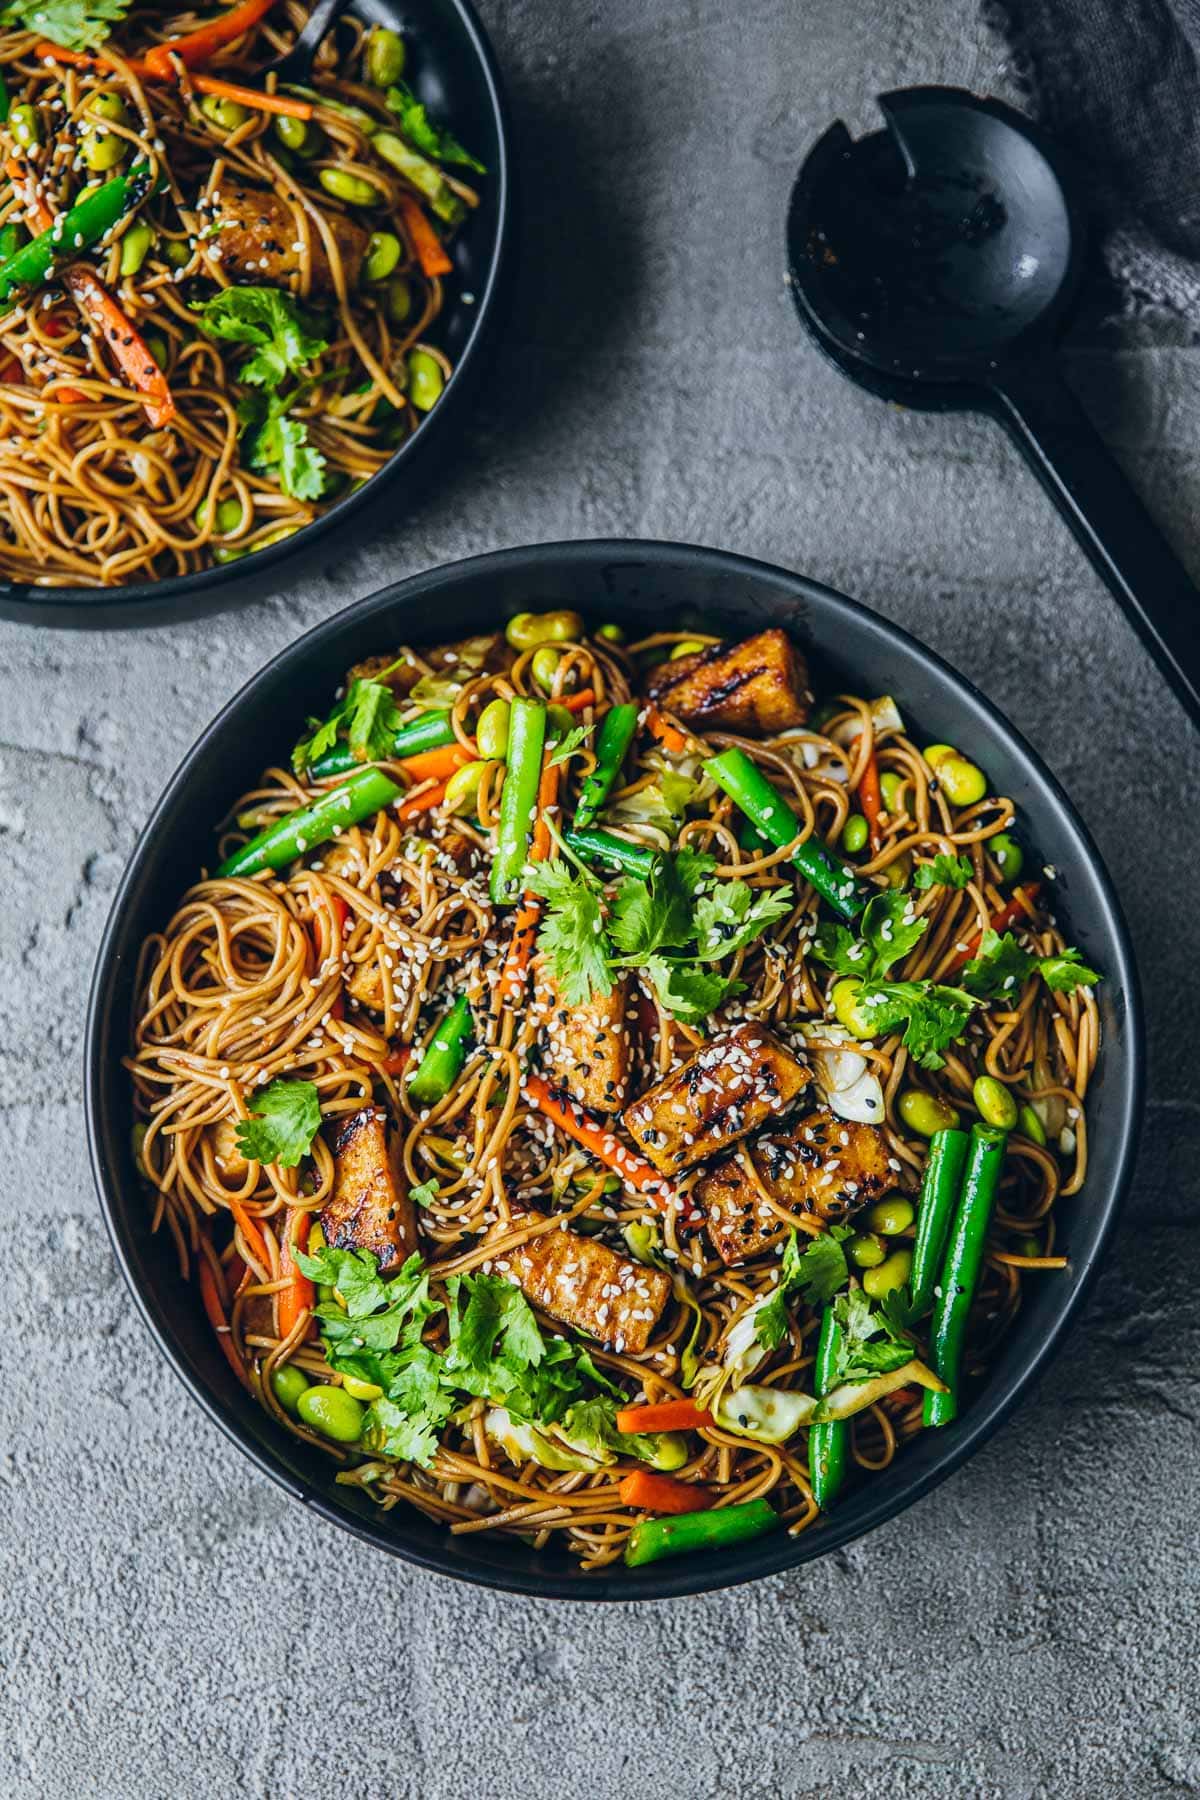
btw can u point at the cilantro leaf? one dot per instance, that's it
(869, 1343)
(1066, 971)
(652, 916)
(425, 1193)
(568, 745)
(283, 1124)
(73, 24)
(268, 319)
(816, 1273)
(943, 871)
(279, 445)
(407, 1429)
(370, 718)
(688, 992)
(423, 134)
(571, 935)
(889, 929)
(999, 966)
(932, 1015)
(733, 914)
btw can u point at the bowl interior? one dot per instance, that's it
(643, 586)
(453, 71)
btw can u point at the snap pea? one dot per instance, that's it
(12, 236)
(425, 176)
(431, 731)
(85, 224)
(827, 1444)
(518, 797)
(365, 793)
(770, 814)
(612, 746)
(444, 1056)
(602, 846)
(653, 1539)
(939, 1193)
(960, 1270)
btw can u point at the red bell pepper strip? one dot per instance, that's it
(1015, 912)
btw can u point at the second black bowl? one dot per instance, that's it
(642, 585)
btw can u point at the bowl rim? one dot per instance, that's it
(71, 605)
(777, 1552)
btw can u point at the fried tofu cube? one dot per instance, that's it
(821, 1166)
(259, 232)
(588, 1048)
(582, 1283)
(759, 686)
(370, 1208)
(226, 1150)
(366, 984)
(730, 1087)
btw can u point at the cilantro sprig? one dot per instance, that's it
(367, 716)
(872, 1341)
(284, 342)
(421, 131)
(73, 24)
(283, 1124)
(676, 926)
(943, 871)
(1001, 966)
(815, 1273)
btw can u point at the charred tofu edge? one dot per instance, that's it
(581, 1295)
(675, 1141)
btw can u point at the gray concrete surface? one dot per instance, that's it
(171, 1625)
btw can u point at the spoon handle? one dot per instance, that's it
(1095, 497)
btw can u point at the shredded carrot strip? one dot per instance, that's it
(671, 1415)
(438, 765)
(1017, 911)
(870, 798)
(425, 801)
(203, 84)
(300, 1293)
(195, 47)
(427, 245)
(215, 1313)
(646, 1492)
(668, 735)
(598, 1137)
(576, 702)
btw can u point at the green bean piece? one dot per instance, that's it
(616, 733)
(366, 792)
(84, 225)
(383, 64)
(431, 731)
(603, 846)
(653, 1539)
(960, 1270)
(518, 797)
(770, 814)
(425, 176)
(444, 1056)
(827, 1444)
(939, 1194)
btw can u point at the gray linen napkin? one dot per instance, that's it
(1118, 83)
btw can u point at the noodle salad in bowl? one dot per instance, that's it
(220, 292)
(608, 1094)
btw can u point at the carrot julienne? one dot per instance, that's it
(597, 1136)
(647, 1492)
(427, 246)
(1017, 911)
(670, 1415)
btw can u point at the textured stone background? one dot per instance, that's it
(171, 1624)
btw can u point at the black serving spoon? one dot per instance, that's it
(295, 66)
(935, 262)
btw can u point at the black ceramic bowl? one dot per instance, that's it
(452, 68)
(642, 585)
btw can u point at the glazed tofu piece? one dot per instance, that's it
(366, 984)
(759, 686)
(582, 1283)
(229, 1158)
(257, 235)
(370, 1208)
(732, 1085)
(822, 1166)
(588, 1047)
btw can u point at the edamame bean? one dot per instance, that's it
(331, 1411)
(890, 785)
(177, 253)
(893, 1273)
(425, 379)
(558, 722)
(994, 1102)
(544, 667)
(610, 634)
(925, 1113)
(296, 134)
(689, 647)
(1030, 1126)
(25, 126)
(1027, 1245)
(102, 150)
(891, 1216)
(136, 246)
(854, 834)
(362, 1390)
(229, 514)
(898, 871)
(936, 753)
(846, 1008)
(398, 304)
(865, 1250)
(384, 61)
(288, 1383)
(227, 114)
(526, 629)
(350, 188)
(962, 782)
(383, 253)
(462, 789)
(1007, 854)
(156, 344)
(491, 730)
